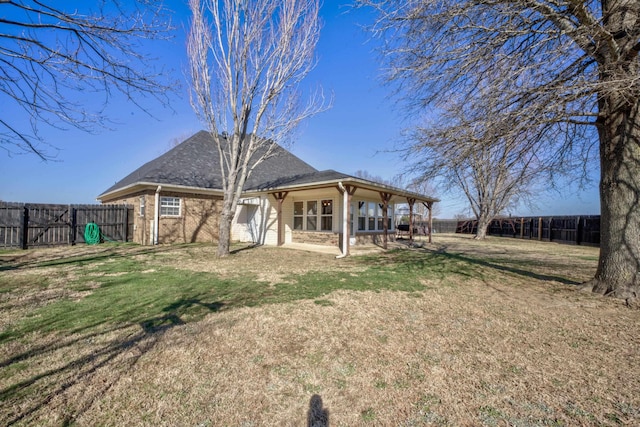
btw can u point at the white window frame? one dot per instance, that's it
(142, 209)
(376, 219)
(323, 216)
(299, 216)
(306, 218)
(168, 206)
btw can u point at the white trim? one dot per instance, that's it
(156, 215)
(345, 219)
(249, 201)
(152, 185)
(362, 184)
(170, 206)
(318, 215)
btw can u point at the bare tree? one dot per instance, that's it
(420, 185)
(563, 65)
(364, 174)
(247, 60)
(488, 155)
(50, 52)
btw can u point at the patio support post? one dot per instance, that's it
(385, 217)
(411, 202)
(280, 196)
(347, 191)
(429, 206)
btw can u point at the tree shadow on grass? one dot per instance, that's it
(514, 270)
(105, 252)
(244, 248)
(70, 388)
(440, 260)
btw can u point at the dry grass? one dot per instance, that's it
(504, 340)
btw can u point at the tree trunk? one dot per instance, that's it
(224, 227)
(224, 236)
(483, 225)
(618, 271)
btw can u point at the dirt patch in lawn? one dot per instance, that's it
(498, 335)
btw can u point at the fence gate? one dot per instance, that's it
(25, 225)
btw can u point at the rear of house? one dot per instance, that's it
(177, 198)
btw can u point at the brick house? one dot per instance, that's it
(285, 200)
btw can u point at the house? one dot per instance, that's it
(178, 195)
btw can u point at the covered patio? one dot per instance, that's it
(333, 209)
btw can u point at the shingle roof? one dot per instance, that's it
(195, 163)
(300, 179)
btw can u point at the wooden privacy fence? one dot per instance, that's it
(577, 230)
(27, 225)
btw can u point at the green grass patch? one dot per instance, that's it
(102, 290)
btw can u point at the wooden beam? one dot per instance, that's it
(386, 197)
(411, 202)
(429, 206)
(280, 196)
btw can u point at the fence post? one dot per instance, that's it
(531, 228)
(73, 224)
(551, 229)
(539, 228)
(125, 223)
(24, 228)
(578, 230)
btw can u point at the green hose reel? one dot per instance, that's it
(92, 234)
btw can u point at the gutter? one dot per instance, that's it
(345, 220)
(156, 215)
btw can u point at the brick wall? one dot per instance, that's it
(375, 238)
(316, 237)
(198, 220)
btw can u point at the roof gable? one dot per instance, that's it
(195, 163)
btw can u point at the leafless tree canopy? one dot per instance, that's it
(544, 55)
(559, 66)
(52, 51)
(247, 60)
(488, 154)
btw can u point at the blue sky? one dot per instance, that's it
(357, 133)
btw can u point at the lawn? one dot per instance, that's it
(457, 332)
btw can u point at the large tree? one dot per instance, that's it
(247, 59)
(570, 64)
(52, 54)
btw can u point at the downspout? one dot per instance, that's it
(156, 215)
(345, 220)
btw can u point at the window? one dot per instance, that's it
(372, 213)
(326, 221)
(371, 216)
(380, 217)
(362, 216)
(142, 206)
(170, 206)
(313, 215)
(298, 215)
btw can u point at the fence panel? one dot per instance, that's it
(10, 226)
(444, 225)
(578, 230)
(48, 225)
(112, 220)
(33, 225)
